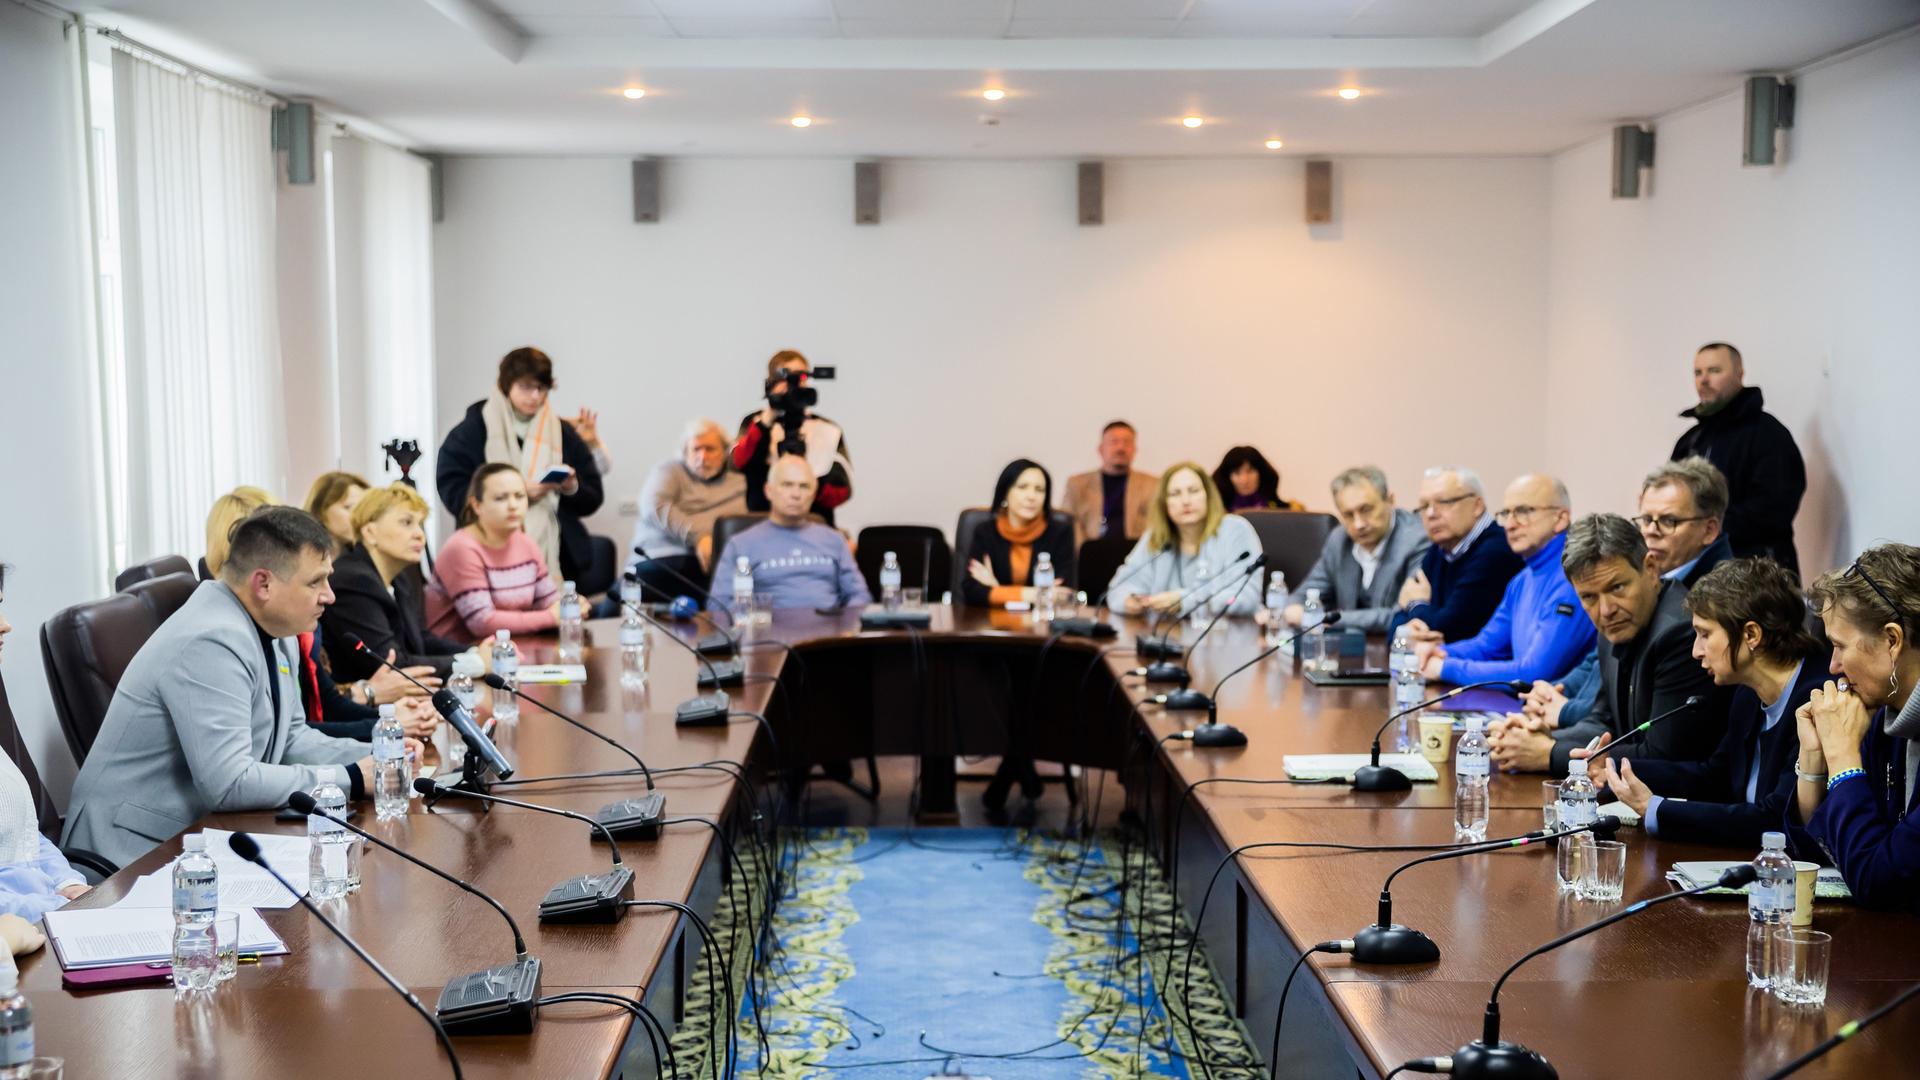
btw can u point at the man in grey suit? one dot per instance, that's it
(1364, 563)
(208, 715)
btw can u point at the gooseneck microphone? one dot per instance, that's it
(498, 1001)
(248, 848)
(1693, 702)
(718, 643)
(1215, 733)
(590, 898)
(1374, 776)
(1166, 671)
(1157, 650)
(699, 711)
(482, 755)
(1097, 627)
(1847, 1031)
(1387, 942)
(637, 818)
(1490, 1058)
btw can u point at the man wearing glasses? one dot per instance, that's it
(1464, 574)
(1538, 631)
(1682, 505)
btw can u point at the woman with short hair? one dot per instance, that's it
(375, 599)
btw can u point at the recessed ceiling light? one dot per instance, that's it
(993, 94)
(635, 93)
(1274, 144)
(1192, 121)
(801, 121)
(1348, 93)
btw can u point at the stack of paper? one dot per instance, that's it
(104, 937)
(1827, 885)
(1342, 766)
(1622, 811)
(552, 673)
(242, 884)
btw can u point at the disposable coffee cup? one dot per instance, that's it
(1435, 732)
(1805, 874)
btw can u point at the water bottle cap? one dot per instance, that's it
(1476, 722)
(502, 636)
(386, 711)
(1773, 841)
(568, 586)
(1313, 596)
(1046, 559)
(1576, 767)
(194, 842)
(1402, 631)
(741, 565)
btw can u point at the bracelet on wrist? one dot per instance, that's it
(1809, 777)
(1845, 775)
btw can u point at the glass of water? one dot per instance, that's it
(913, 597)
(762, 609)
(1603, 870)
(1801, 958)
(226, 945)
(1550, 804)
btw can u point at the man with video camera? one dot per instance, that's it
(787, 424)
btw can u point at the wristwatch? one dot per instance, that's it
(364, 690)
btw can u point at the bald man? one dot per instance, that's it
(1539, 631)
(800, 563)
(1766, 477)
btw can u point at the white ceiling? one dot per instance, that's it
(1084, 78)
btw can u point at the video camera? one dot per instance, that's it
(792, 404)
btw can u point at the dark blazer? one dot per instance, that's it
(1646, 677)
(1716, 553)
(1766, 477)
(465, 450)
(988, 544)
(340, 716)
(1705, 802)
(363, 607)
(1466, 591)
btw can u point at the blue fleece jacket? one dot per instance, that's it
(1539, 630)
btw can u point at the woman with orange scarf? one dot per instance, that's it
(1001, 556)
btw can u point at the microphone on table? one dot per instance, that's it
(1847, 1031)
(482, 755)
(498, 1001)
(1202, 590)
(1097, 627)
(590, 898)
(1693, 702)
(1374, 776)
(1166, 671)
(637, 818)
(1215, 733)
(698, 711)
(718, 643)
(248, 848)
(1490, 1058)
(1387, 942)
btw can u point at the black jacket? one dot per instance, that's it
(988, 544)
(754, 457)
(465, 450)
(1646, 677)
(1705, 802)
(340, 716)
(1765, 475)
(363, 607)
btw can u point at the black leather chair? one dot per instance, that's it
(87, 648)
(48, 815)
(725, 528)
(1100, 559)
(600, 577)
(164, 595)
(925, 558)
(152, 568)
(1291, 539)
(973, 518)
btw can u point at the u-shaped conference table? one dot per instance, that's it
(1661, 995)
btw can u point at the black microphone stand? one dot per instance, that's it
(636, 818)
(1097, 627)
(718, 643)
(1186, 697)
(589, 898)
(1215, 733)
(1374, 776)
(1166, 651)
(1693, 702)
(1847, 1031)
(698, 711)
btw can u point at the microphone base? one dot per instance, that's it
(1501, 1061)
(591, 899)
(1088, 628)
(1380, 778)
(1185, 700)
(1393, 944)
(632, 819)
(1165, 672)
(497, 1001)
(714, 645)
(725, 673)
(882, 619)
(702, 712)
(1218, 735)
(1153, 649)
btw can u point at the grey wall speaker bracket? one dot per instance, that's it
(1091, 189)
(1632, 151)
(866, 193)
(646, 190)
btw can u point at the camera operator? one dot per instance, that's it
(768, 433)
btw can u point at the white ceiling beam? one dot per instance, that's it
(1530, 23)
(480, 20)
(1050, 54)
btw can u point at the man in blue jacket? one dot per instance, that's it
(1465, 573)
(1539, 630)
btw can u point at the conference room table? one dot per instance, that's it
(1671, 980)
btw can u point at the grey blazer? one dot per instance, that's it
(1337, 575)
(192, 730)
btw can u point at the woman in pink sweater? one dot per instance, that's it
(491, 575)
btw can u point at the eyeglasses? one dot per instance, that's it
(1441, 504)
(1664, 524)
(1521, 514)
(1898, 611)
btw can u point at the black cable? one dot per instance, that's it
(710, 951)
(1280, 1012)
(640, 1012)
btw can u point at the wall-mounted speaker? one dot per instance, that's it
(293, 132)
(1769, 110)
(646, 190)
(1319, 192)
(1632, 151)
(437, 186)
(1092, 183)
(866, 193)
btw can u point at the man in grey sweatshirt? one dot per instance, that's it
(681, 500)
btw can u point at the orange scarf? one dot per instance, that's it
(1020, 556)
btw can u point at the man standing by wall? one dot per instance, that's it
(1754, 451)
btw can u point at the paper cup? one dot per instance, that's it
(1435, 734)
(1804, 876)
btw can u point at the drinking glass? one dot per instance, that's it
(46, 1068)
(762, 609)
(1801, 958)
(1550, 804)
(1603, 870)
(226, 945)
(913, 597)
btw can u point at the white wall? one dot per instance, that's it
(979, 322)
(1810, 267)
(51, 532)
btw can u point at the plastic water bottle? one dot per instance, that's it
(196, 899)
(390, 780)
(633, 649)
(506, 664)
(890, 582)
(1472, 764)
(16, 1026)
(1276, 604)
(629, 591)
(1043, 580)
(465, 691)
(573, 631)
(1769, 905)
(742, 589)
(1579, 805)
(1409, 689)
(329, 845)
(1316, 655)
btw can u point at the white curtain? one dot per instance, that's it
(195, 172)
(382, 219)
